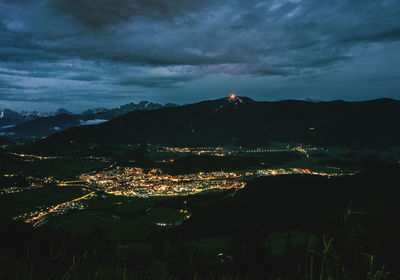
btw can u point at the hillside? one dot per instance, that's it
(245, 122)
(45, 126)
(4, 141)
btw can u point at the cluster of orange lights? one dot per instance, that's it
(232, 96)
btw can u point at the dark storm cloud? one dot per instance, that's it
(268, 72)
(387, 35)
(156, 81)
(51, 47)
(100, 13)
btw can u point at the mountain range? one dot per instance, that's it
(37, 125)
(242, 121)
(10, 118)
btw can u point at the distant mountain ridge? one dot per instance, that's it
(243, 121)
(11, 118)
(37, 125)
(103, 113)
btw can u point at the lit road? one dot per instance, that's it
(58, 208)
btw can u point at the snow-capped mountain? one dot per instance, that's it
(108, 114)
(94, 111)
(35, 114)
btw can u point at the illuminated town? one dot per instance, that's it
(137, 182)
(41, 214)
(142, 183)
(30, 184)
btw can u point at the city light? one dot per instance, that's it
(145, 183)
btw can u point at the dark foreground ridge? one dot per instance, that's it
(242, 121)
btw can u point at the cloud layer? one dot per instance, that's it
(114, 51)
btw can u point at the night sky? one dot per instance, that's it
(78, 54)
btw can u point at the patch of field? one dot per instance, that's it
(280, 242)
(165, 215)
(140, 248)
(211, 246)
(116, 228)
(124, 206)
(62, 169)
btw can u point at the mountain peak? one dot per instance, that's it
(5, 113)
(235, 99)
(231, 102)
(63, 111)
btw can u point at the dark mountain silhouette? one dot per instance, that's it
(62, 111)
(42, 127)
(243, 121)
(9, 117)
(4, 141)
